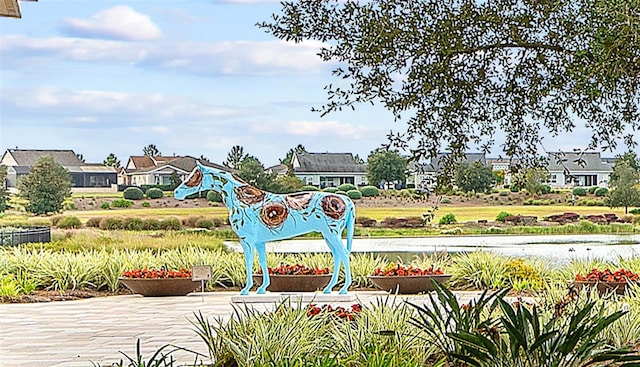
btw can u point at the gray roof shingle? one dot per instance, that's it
(328, 162)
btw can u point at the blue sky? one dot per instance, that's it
(193, 77)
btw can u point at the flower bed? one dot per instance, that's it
(159, 282)
(407, 279)
(606, 281)
(295, 278)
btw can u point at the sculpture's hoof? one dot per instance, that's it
(261, 290)
(244, 292)
(343, 291)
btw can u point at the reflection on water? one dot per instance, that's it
(556, 248)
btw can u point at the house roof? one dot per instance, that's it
(577, 162)
(437, 163)
(326, 162)
(146, 164)
(29, 157)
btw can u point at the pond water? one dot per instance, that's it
(556, 248)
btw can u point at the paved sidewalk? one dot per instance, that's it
(94, 331)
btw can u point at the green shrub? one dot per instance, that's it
(93, 222)
(592, 189)
(330, 189)
(601, 191)
(635, 211)
(504, 193)
(146, 204)
(214, 196)
(218, 222)
(56, 219)
(111, 224)
(445, 201)
(105, 205)
(544, 189)
(205, 223)
(448, 218)
(346, 187)
(341, 193)
(132, 193)
(354, 194)
(370, 191)
(502, 215)
(70, 222)
(151, 224)
(121, 203)
(309, 188)
(171, 224)
(579, 191)
(514, 188)
(154, 193)
(69, 206)
(133, 224)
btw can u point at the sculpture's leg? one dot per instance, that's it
(248, 261)
(329, 238)
(344, 256)
(262, 260)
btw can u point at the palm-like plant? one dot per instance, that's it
(495, 333)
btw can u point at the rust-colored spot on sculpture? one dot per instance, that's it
(274, 214)
(299, 201)
(249, 195)
(195, 179)
(333, 206)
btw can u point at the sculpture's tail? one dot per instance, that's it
(350, 225)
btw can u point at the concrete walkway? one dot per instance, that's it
(95, 331)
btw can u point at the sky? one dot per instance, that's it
(192, 77)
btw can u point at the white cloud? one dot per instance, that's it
(209, 58)
(93, 105)
(316, 129)
(120, 22)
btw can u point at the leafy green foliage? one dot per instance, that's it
(354, 194)
(448, 218)
(112, 161)
(502, 215)
(3, 192)
(69, 222)
(105, 205)
(347, 187)
(154, 193)
(472, 70)
(214, 196)
(370, 191)
(46, 186)
(385, 166)
(624, 190)
(122, 203)
(473, 177)
(133, 193)
(235, 157)
(579, 191)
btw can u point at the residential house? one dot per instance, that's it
(328, 169)
(157, 170)
(423, 175)
(585, 169)
(85, 177)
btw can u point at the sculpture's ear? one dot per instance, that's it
(200, 166)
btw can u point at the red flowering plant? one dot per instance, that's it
(394, 269)
(157, 273)
(606, 275)
(339, 312)
(297, 269)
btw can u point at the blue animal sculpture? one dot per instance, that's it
(257, 217)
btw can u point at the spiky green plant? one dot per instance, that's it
(478, 270)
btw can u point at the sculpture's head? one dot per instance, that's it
(202, 178)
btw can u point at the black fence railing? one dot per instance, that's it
(12, 236)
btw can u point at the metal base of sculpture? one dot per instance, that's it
(258, 217)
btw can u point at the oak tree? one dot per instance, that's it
(463, 72)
